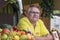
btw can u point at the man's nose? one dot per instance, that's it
(35, 14)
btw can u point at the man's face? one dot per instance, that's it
(34, 14)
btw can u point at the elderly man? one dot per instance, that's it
(33, 24)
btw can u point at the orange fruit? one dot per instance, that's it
(21, 32)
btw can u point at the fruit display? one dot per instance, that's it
(15, 34)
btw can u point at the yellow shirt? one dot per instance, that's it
(40, 29)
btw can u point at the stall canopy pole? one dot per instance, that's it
(20, 7)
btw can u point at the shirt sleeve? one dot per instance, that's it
(22, 25)
(43, 29)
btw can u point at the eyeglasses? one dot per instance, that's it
(34, 12)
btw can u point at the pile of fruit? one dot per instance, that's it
(15, 34)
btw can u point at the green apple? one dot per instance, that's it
(23, 37)
(4, 37)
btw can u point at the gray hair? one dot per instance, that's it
(29, 8)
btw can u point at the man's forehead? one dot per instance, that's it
(35, 9)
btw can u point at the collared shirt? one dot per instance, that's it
(40, 29)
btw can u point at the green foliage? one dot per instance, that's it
(12, 1)
(48, 7)
(6, 26)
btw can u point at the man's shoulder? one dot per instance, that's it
(23, 19)
(39, 20)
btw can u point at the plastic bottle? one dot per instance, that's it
(55, 34)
